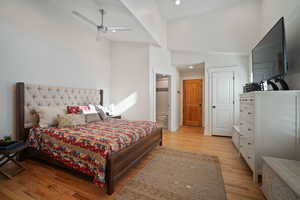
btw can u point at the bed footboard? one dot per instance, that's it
(121, 162)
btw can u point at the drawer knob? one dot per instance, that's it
(249, 157)
(249, 129)
(241, 123)
(249, 143)
(249, 113)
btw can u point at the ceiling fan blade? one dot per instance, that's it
(77, 14)
(119, 28)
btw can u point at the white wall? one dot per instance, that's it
(160, 62)
(41, 43)
(231, 29)
(130, 76)
(191, 75)
(272, 11)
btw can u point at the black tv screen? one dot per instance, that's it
(269, 56)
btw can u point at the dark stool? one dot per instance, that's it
(8, 153)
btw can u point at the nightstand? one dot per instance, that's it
(8, 153)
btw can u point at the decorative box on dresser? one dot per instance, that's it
(269, 126)
(281, 179)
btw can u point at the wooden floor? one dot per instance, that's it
(41, 181)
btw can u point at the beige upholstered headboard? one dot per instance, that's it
(31, 95)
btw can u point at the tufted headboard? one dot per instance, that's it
(29, 96)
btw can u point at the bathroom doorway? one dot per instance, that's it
(163, 100)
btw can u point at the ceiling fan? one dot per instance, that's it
(101, 29)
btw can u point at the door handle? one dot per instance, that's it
(200, 104)
(213, 107)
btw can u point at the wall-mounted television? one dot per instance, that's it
(269, 59)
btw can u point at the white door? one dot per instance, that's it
(222, 103)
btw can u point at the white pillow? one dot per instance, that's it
(92, 110)
(48, 115)
(105, 109)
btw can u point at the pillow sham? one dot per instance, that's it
(35, 118)
(94, 117)
(80, 110)
(73, 110)
(70, 120)
(101, 113)
(48, 115)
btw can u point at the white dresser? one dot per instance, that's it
(269, 126)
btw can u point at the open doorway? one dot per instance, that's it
(163, 100)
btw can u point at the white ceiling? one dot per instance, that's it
(116, 15)
(191, 7)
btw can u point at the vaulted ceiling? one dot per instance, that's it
(190, 17)
(116, 15)
(187, 8)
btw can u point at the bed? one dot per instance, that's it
(120, 143)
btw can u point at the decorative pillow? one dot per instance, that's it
(92, 108)
(101, 113)
(48, 115)
(89, 118)
(79, 110)
(105, 109)
(73, 109)
(35, 118)
(70, 120)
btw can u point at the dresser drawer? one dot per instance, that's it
(246, 129)
(247, 143)
(247, 113)
(247, 100)
(247, 150)
(248, 157)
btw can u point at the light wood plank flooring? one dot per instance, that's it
(43, 182)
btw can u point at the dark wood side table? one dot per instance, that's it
(8, 153)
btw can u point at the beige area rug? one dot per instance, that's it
(176, 175)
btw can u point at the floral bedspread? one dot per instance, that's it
(86, 148)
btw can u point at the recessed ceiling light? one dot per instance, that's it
(114, 30)
(191, 67)
(177, 2)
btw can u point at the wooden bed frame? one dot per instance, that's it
(116, 164)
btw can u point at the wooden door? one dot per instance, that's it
(222, 103)
(192, 102)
